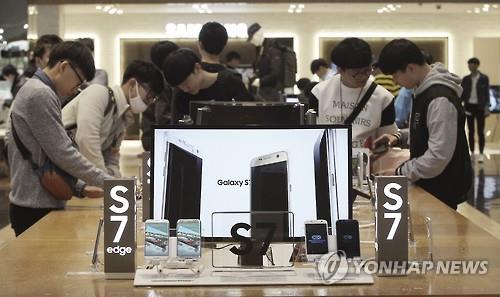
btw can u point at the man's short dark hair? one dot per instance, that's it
(179, 65)
(398, 54)
(10, 69)
(317, 63)
(213, 38)
(303, 83)
(77, 54)
(160, 51)
(473, 61)
(45, 42)
(232, 55)
(145, 73)
(88, 42)
(352, 53)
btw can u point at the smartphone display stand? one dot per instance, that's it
(96, 265)
(262, 240)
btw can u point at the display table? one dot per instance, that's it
(36, 263)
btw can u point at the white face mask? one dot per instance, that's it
(137, 105)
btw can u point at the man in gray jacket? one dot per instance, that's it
(36, 118)
(439, 156)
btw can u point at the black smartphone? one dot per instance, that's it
(348, 237)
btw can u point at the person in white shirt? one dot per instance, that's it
(321, 69)
(338, 96)
(100, 115)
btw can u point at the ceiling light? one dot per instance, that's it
(298, 11)
(1, 37)
(1, 31)
(486, 5)
(119, 11)
(106, 8)
(290, 10)
(98, 7)
(112, 10)
(25, 26)
(390, 6)
(302, 6)
(196, 6)
(380, 11)
(293, 6)
(4, 42)
(486, 9)
(204, 6)
(398, 6)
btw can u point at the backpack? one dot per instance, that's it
(289, 65)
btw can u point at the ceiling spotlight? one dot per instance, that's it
(290, 10)
(98, 7)
(298, 11)
(486, 9)
(293, 6)
(476, 10)
(398, 6)
(112, 10)
(26, 26)
(301, 6)
(196, 6)
(106, 8)
(1, 30)
(119, 11)
(380, 11)
(390, 6)
(486, 5)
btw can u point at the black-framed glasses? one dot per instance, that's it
(151, 97)
(82, 81)
(359, 72)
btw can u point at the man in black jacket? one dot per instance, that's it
(267, 66)
(477, 100)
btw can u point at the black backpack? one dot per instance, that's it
(289, 65)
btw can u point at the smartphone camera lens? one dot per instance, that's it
(277, 156)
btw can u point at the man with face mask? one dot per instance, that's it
(99, 115)
(268, 66)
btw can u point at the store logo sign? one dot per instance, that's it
(193, 30)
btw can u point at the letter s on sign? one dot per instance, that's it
(395, 197)
(120, 199)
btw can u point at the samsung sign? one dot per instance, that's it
(192, 30)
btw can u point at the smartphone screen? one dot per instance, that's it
(269, 192)
(183, 185)
(348, 237)
(189, 239)
(316, 238)
(156, 238)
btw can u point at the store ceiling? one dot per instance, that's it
(284, 7)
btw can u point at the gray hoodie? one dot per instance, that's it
(36, 115)
(442, 124)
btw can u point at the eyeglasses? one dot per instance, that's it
(360, 72)
(151, 97)
(82, 81)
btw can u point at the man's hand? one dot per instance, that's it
(256, 83)
(93, 192)
(386, 139)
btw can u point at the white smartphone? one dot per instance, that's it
(156, 240)
(269, 191)
(188, 239)
(316, 239)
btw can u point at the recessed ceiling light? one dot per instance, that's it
(1, 31)
(380, 11)
(301, 6)
(398, 6)
(119, 11)
(98, 7)
(204, 6)
(106, 8)
(298, 11)
(112, 10)
(293, 6)
(290, 10)
(486, 5)
(486, 9)
(25, 26)
(196, 6)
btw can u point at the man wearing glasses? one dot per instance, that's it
(99, 115)
(36, 121)
(339, 96)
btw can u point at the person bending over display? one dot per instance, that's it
(99, 116)
(36, 120)
(339, 96)
(183, 70)
(440, 161)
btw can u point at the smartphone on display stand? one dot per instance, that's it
(156, 240)
(348, 238)
(269, 191)
(188, 239)
(316, 239)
